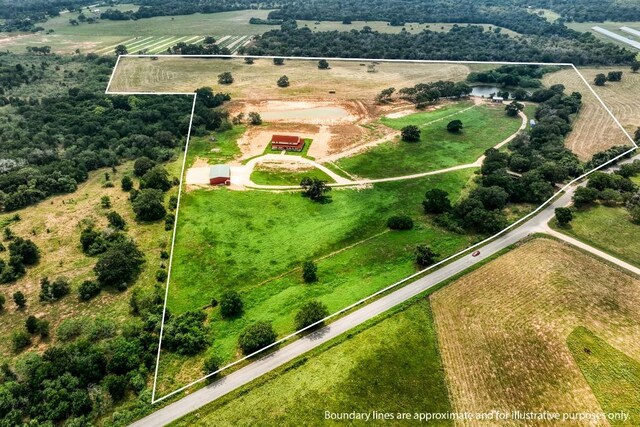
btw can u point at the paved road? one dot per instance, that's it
(287, 353)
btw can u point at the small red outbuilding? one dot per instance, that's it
(220, 175)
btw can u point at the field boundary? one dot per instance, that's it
(295, 334)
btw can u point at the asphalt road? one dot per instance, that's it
(213, 391)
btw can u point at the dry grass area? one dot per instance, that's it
(55, 225)
(349, 79)
(503, 329)
(594, 129)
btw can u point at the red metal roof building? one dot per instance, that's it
(287, 142)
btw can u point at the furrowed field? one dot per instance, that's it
(503, 330)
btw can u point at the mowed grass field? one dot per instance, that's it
(392, 365)
(270, 175)
(594, 130)
(503, 329)
(613, 376)
(104, 35)
(607, 228)
(349, 79)
(255, 242)
(484, 127)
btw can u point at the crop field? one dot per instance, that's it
(594, 130)
(609, 229)
(503, 329)
(339, 378)
(60, 241)
(234, 240)
(154, 35)
(485, 126)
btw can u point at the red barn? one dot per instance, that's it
(220, 175)
(287, 142)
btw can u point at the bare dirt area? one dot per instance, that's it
(502, 329)
(594, 130)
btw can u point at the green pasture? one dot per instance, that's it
(273, 176)
(374, 368)
(484, 127)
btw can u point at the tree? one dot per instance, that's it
(563, 216)
(436, 201)
(310, 313)
(119, 265)
(24, 250)
(231, 304)
(105, 202)
(400, 222)
(584, 196)
(126, 183)
(425, 256)
(248, 60)
(31, 324)
(19, 299)
(3, 300)
(635, 66)
(600, 80)
(142, 165)
(20, 340)
(211, 364)
(514, 108)
(186, 334)
(278, 61)
(116, 220)
(454, 126)
(283, 81)
(255, 118)
(88, 289)
(315, 189)
(410, 133)
(323, 64)
(385, 95)
(53, 291)
(157, 177)
(225, 78)
(149, 205)
(309, 272)
(116, 385)
(614, 76)
(256, 336)
(121, 50)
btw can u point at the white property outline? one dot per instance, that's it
(386, 289)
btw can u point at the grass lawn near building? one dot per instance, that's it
(373, 368)
(484, 127)
(267, 175)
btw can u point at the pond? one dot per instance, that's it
(485, 91)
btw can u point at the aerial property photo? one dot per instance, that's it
(319, 213)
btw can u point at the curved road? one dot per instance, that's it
(211, 392)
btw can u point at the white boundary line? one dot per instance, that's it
(173, 242)
(392, 286)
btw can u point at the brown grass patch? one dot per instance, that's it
(594, 130)
(502, 329)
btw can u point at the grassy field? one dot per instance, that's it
(255, 242)
(104, 34)
(609, 229)
(594, 130)
(374, 369)
(484, 127)
(503, 329)
(225, 147)
(349, 79)
(55, 226)
(267, 175)
(613, 376)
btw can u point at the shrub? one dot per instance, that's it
(3, 300)
(19, 299)
(88, 289)
(148, 205)
(20, 340)
(563, 216)
(126, 183)
(185, 334)
(454, 126)
(161, 275)
(410, 133)
(225, 78)
(283, 81)
(230, 304)
(105, 202)
(211, 364)
(425, 256)
(31, 324)
(311, 313)
(142, 165)
(116, 385)
(53, 291)
(400, 222)
(25, 250)
(256, 336)
(309, 272)
(116, 220)
(70, 329)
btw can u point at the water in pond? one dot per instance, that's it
(485, 91)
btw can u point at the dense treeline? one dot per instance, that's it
(460, 43)
(511, 75)
(50, 144)
(151, 8)
(537, 160)
(590, 10)
(23, 15)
